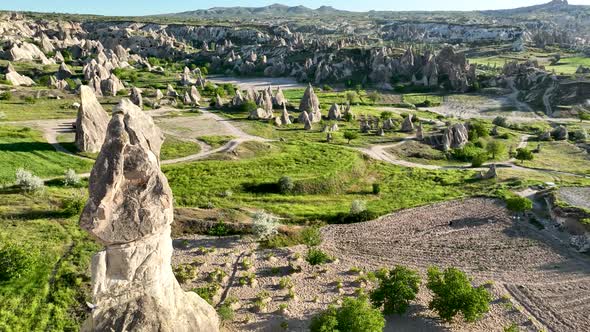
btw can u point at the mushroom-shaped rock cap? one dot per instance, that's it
(129, 196)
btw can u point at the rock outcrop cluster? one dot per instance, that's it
(129, 211)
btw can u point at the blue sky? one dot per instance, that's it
(143, 7)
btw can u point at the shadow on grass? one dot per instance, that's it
(261, 188)
(26, 147)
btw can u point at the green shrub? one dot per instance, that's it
(500, 121)
(220, 229)
(355, 315)
(208, 292)
(326, 87)
(523, 154)
(454, 294)
(311, 236)
(15, 261)
(248, 107)
(226, 313)
(518, 204)
(7, 95)
(30, 100)
(286, 185)
(73, 205)
(185, 272)
(396, 290)
(479, 159)
(316, 256)
(512, 328)
(376, 188)
(285, 283)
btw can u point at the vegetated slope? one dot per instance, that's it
(327, 179)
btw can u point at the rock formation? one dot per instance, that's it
(560, 133)
(455, 137)
(17, 79)
(285, 118)
(420, 132)
(310, 102)
(195, 95)
(408, 124)
(63, 72)
(334, 112)
(130, 211)
(91, 122)
(279, 98)
(135, 97)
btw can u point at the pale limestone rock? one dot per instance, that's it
(129, 211)
(91, 122)
(17, 79)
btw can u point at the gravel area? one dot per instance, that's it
(575, 196)
(538, 283)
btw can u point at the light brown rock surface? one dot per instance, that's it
(130, 210)
(91, 122)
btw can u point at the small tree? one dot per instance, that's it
(355, 315)
(350, 135)
(264, 225)
(495, 148)
(453, 294)
(396, 290)
(523, 154)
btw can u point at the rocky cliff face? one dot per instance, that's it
(130, 211)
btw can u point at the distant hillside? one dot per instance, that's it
(275, 10)
(552, 7)
(279, 10)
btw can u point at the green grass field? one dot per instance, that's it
(51, 295)
(176, 148)
(560, 156)
(25, 148)
(332, 176)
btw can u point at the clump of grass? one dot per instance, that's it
(185, 272)
(247, 279)
(285, 282)
(208, 292)
(316, 256)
